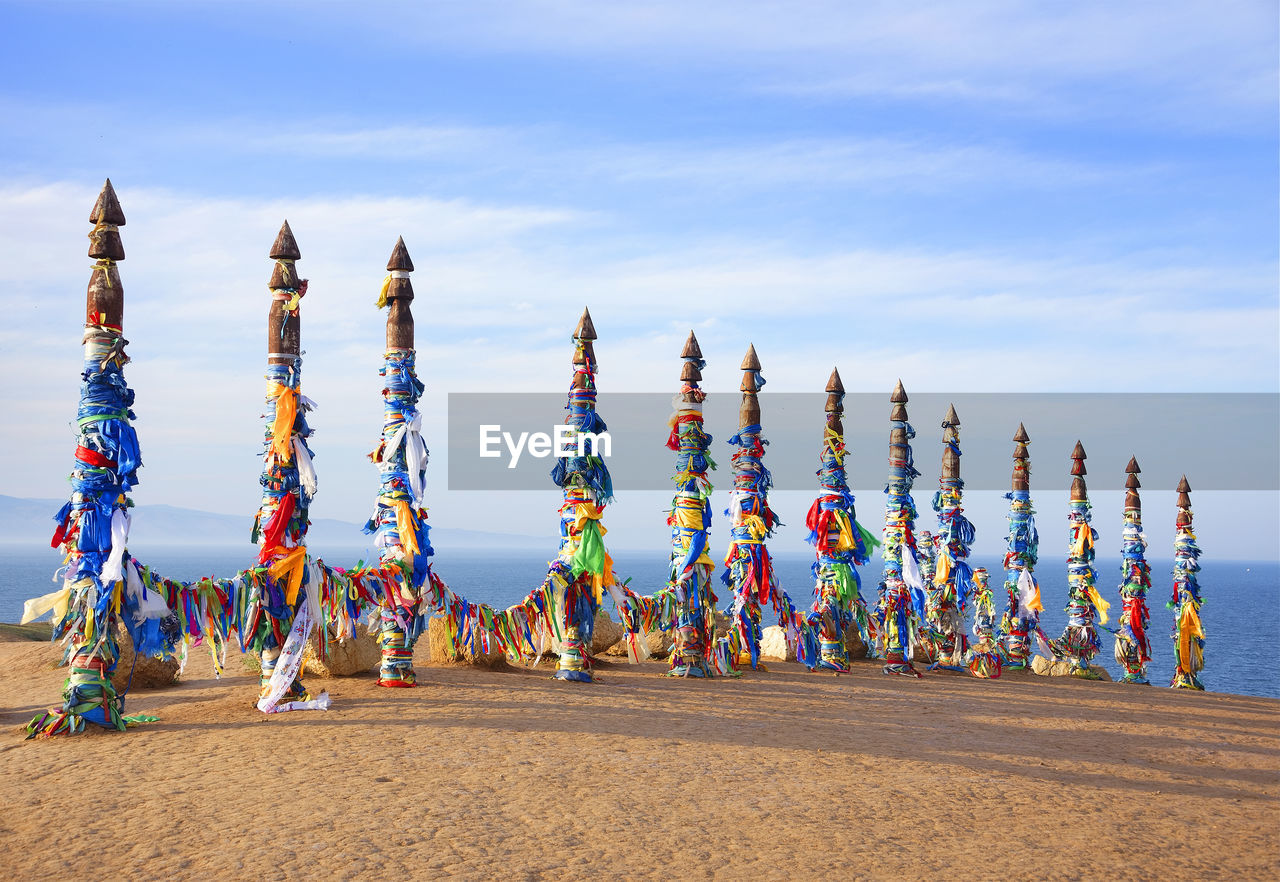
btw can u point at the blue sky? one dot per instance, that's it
(973, 196)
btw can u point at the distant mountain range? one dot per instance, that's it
(30, 521)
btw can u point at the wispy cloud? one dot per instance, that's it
(1075, 58)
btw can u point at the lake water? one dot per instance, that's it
(1241, 612)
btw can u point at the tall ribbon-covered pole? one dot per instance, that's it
(1132, 648)
(584, 478)
(281, 603)
(841, 543)
(1188, 632)
(748, 568)
(953, 578)
(100, 587)
(903, 589)
(690, 521)
(1022, 616)
(399, 522)
(1079, 642)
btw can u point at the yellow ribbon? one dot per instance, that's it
(755, 525)
(1084, 539)
(294, 564)
(1188, 627)
(406, 526)
(382, 295)
(1101, 605)
(944, 570)
(282, 427)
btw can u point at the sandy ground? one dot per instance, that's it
(780, 775)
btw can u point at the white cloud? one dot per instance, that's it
(1181, 56)
(499, 290)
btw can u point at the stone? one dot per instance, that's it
(350, 657)
(440, 649)
(1062, 668)
(605, 634)
(148, 673)
(853, 644)
(773, 644)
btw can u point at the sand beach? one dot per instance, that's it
(779, 775)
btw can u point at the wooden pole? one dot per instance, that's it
(693, 646)
(1079, 642)
(900, 604)
(750, 572)
(1188, 630)
(399, 521)
(93, 527)
(288, 484)
(1132, 649)
(1022, 616)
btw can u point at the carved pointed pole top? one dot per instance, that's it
(400, 259)
(585, 330)
(399, 298)
(1131, 484)
(898, 444)
(1021, 466)
(899, 400)
(107, 209)
(950, 425)
(104, 300)
(833, 383)
(584, 352)
(285, 247)
(950, 437)
(1184, 503)
(1079, 492)
(691, 348)
(284, 319)
(749, 409)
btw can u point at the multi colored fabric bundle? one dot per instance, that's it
(748, 569)
(953, 579)
(927, 638)
(1188, 632)
(984, 659)
(1079, 642)
(1132, 649)
(690, 520)
(842, 545)
(100, 586)
(903, 598)
(1022, 615)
